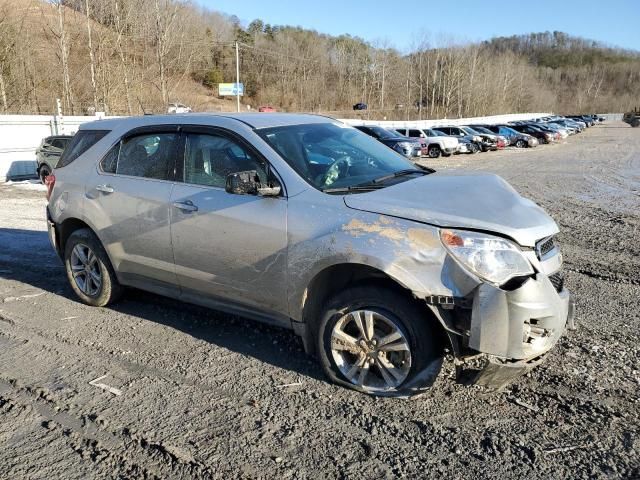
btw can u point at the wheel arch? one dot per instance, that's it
(338, 277)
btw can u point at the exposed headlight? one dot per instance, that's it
(493, 259)
(477, 139)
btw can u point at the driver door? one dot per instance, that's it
(227, 247)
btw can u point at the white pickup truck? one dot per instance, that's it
(436, 144)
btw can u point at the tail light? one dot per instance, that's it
(50, 181)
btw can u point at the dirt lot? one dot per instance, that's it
(207, 395)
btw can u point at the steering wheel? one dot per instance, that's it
(337, 169)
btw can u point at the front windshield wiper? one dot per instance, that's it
(352, 188)
(402, 173)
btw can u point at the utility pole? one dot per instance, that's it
(237, 77)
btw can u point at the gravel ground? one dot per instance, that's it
(202, 394)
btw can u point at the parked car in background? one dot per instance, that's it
(436, 144)
(266, 109)
(543, 137)
(360, 106)
(422, 141)
(567, 128)
(48, 154)
(382, 267)
(488, 141)
(178, 108)
(632, 118)
(460, 134)
(409, 147)
(515, 138)
(464, 144)
(501, 141)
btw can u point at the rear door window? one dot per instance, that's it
(80, 143)
(148, 156)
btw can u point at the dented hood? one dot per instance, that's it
(461, 200)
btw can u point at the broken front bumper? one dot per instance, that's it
(511, 331)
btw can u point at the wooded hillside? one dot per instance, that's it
(135, 56)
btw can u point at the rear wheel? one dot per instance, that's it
(434, 151)
(44, 172)
(379, 342)
(89, 270)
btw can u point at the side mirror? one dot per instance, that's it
(243, 183)
(248, 183)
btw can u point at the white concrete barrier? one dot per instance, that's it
(20, 135)
(446, 121)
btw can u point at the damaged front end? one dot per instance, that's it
(500, 332)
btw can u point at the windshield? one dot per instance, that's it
(329, 155)
(483, 130)
(383, 132)
(469, 130)
(509, 130)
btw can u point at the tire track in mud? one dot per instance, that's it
(118, 453)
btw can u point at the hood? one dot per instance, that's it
(461, 200)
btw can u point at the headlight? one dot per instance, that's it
(493, 259)
(405, 145)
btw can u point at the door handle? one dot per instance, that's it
(105, 188)
(186, 206)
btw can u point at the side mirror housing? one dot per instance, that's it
(248, 183)
(242, 183)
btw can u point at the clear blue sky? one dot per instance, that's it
(616, 22)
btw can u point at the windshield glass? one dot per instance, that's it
(329, 155)
(509, 130)
(469, 130)
(483, 130)
(383, 132)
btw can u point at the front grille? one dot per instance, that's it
(545, 246)
(557, 280)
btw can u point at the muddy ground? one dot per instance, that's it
(203, 394)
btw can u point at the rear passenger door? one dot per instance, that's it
(228, 248)
(128, 201)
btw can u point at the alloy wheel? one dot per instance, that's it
(85, 269)
(371, 350)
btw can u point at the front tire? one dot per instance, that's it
(378, 342)
(521, 144)
(434, 151)
(89, 270)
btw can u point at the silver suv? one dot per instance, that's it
(382, 267)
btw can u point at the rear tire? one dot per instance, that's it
(89, 270)
(377, 341)
(44, 172)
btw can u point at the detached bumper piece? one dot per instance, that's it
(497, 373)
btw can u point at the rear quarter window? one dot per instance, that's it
(80, 143)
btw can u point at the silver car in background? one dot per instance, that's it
(381, 266)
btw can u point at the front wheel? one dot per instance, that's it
(379, 342)
(473, 148)
(89, 270)
(521, 144)
(434, 151)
